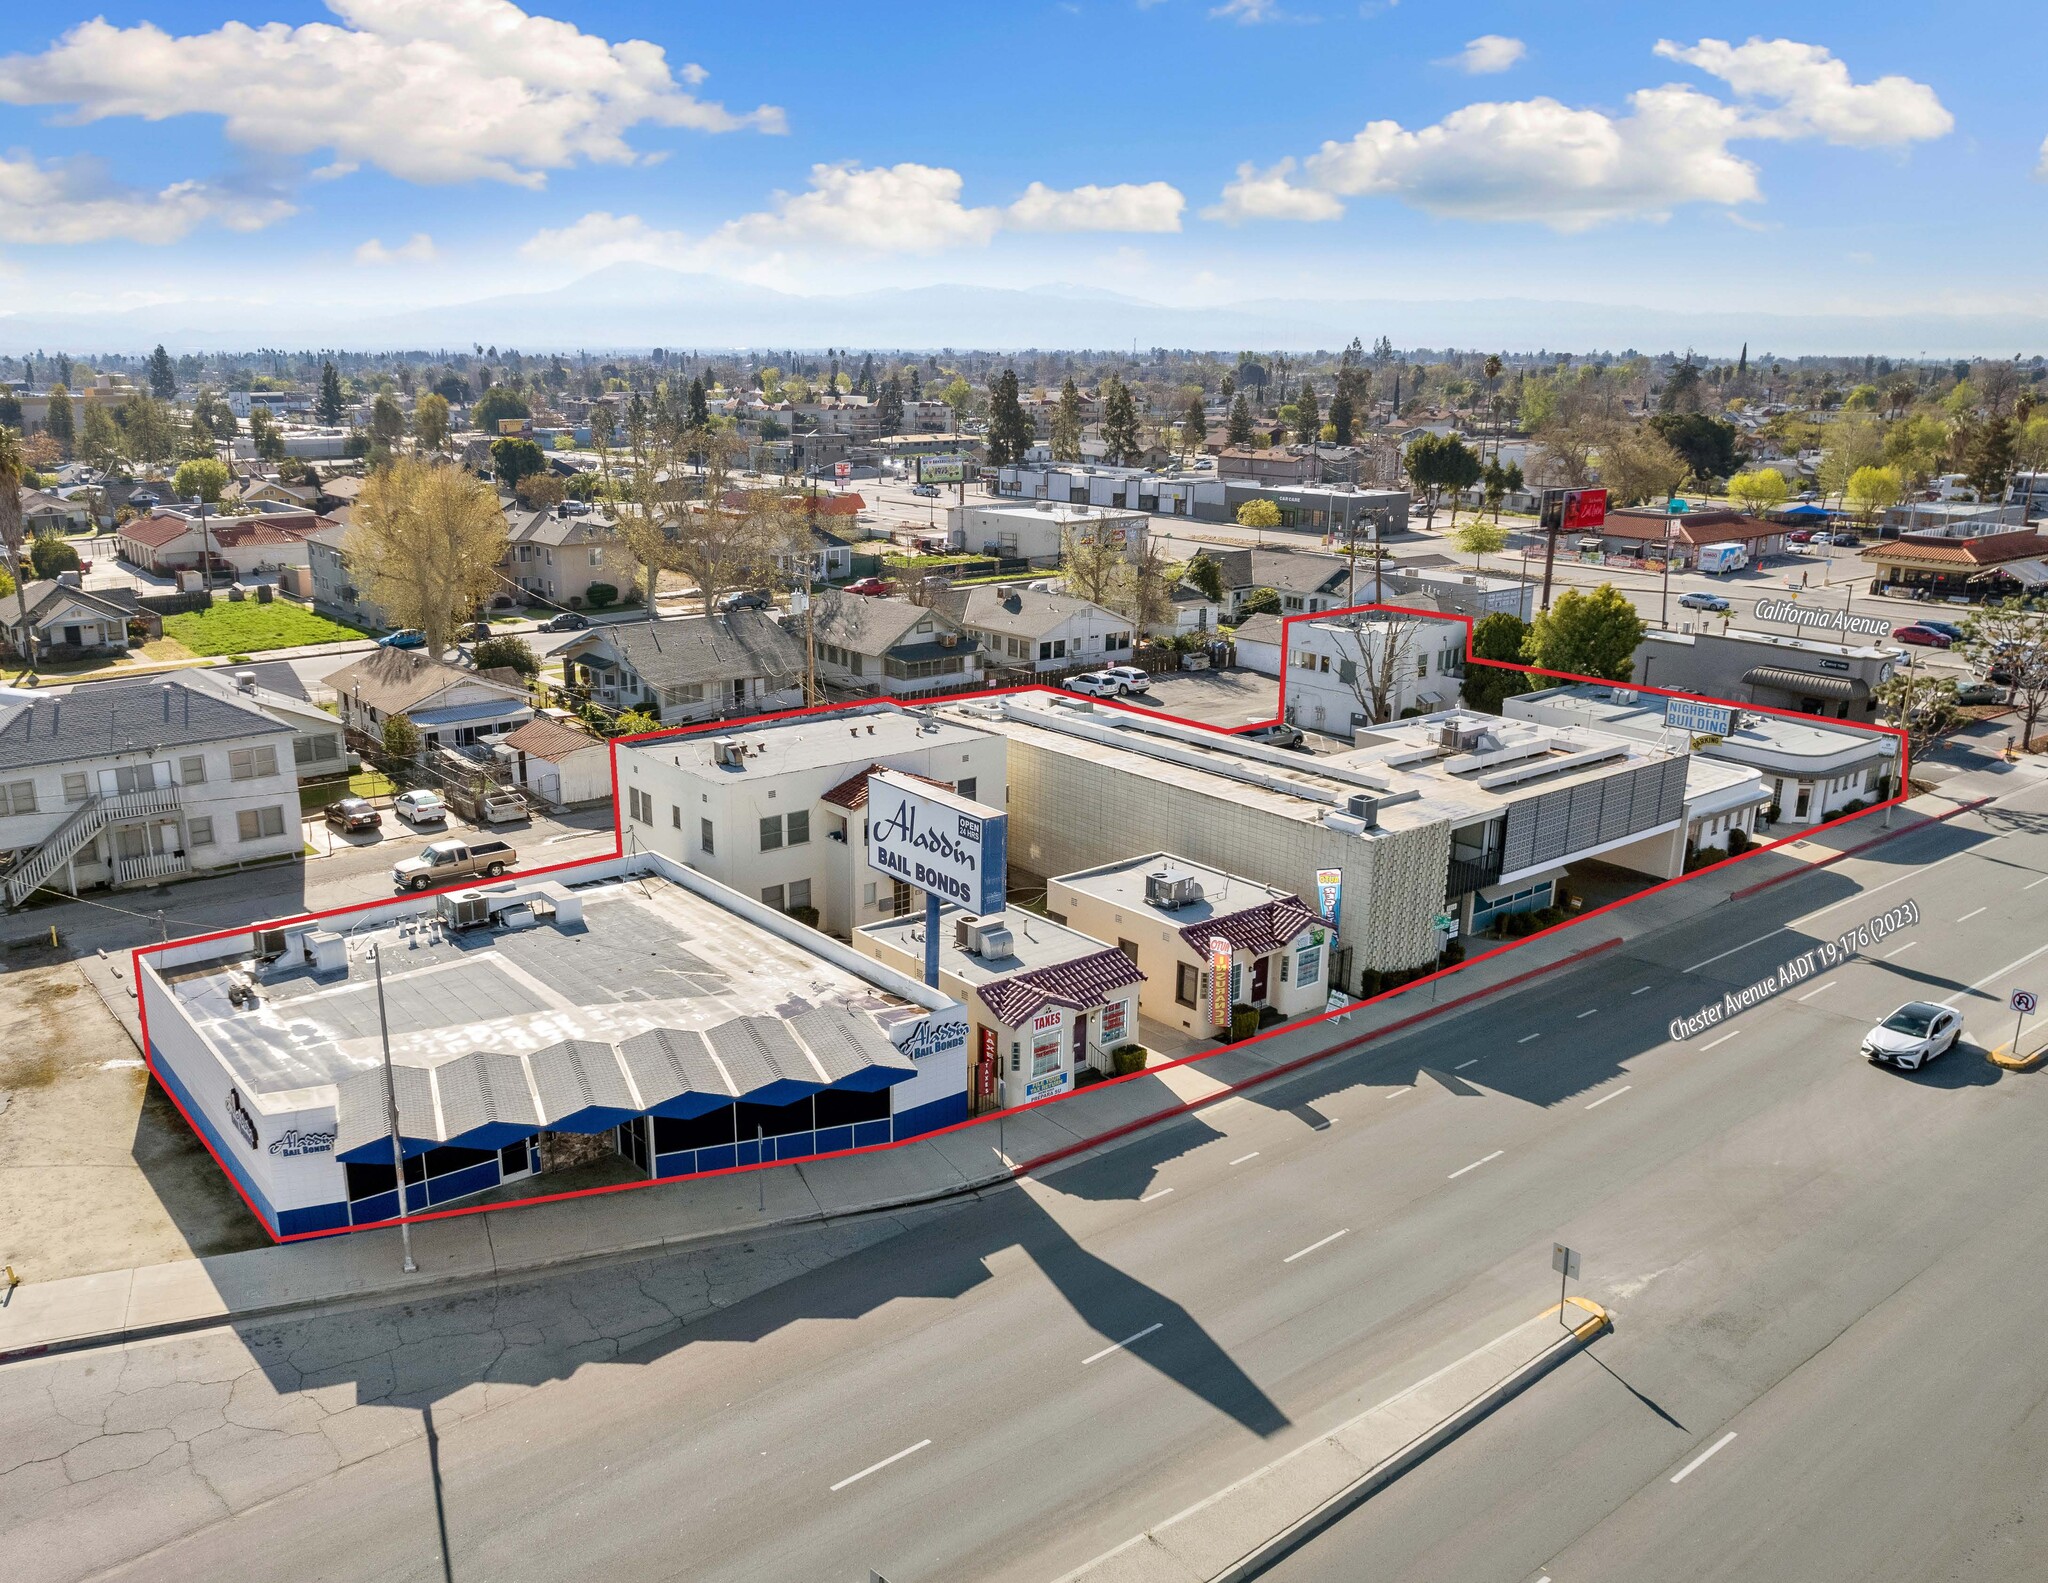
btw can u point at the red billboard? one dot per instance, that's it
(1571, 510)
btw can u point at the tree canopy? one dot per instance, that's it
(1587, 634)
(425, 541)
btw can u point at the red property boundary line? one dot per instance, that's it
(137, 954)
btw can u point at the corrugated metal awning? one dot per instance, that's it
(1804, 683)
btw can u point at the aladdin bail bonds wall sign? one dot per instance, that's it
(940, 843)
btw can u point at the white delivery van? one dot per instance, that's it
(1724, 557)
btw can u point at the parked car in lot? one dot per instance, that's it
(403, 638)
(1913, 1035)
(870, 587)
(924, 489)
(752, 599)
(1922, 636)
(1799, 536)
(567, 621)
(445, 862)
(1704, 602)
(1097, 684)
(420, 807)
(354, 813)
(1276, 734)
(1133, 679)
(1980, 693)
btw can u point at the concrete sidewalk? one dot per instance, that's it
(478, 1249)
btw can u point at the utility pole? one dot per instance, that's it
(391, 1112)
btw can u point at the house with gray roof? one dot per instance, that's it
(70, 622)
(870, 647)
(1305, 581)
(124, 785)
(740, 662)
(554, 558)
(1031, 631)
(451, 707)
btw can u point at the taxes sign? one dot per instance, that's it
(938, 842)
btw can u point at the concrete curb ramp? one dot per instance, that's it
(1240, 1531)
(2005, 1056)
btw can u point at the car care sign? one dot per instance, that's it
(940, 843)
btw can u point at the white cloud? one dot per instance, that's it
(1269, 195)
(2040, 174)
(69, 202)
(456, 90)
(1487, 54)
(602, 238)
(1812, 94)
(417, 249)
(1570, 169)
(1129, 206)
(1251, 11)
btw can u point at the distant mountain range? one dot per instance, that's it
(630, 307)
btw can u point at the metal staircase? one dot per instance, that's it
(69, 838)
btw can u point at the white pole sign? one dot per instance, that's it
(938, 842)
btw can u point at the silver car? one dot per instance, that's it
(1913, 1035)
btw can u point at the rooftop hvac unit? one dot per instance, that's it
(470, 910)
(1360, 806)
(728, 753)
(269, 943)
(1170, 891)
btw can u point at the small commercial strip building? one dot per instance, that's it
(1038, 533)
(1645, 533)
(1045, 1003)
(1973, 562)
(628, 1007)
(777, 810)
(1776, 669)
(1809, 770)
(1186, 923)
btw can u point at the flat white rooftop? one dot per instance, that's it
(1035, 942)
(1627, 710)
(844, 736)
(1124, 885)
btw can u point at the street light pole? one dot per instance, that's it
(391, 1112)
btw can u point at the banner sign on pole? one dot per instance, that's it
(1219, 980)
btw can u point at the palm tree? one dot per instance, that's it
(13, 467)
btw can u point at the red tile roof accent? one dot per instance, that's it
(853, 791)
(1711, 526)
(1255, 931)
(1991, 549)
(1080, 985)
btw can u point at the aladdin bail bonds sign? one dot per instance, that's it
(940, 843)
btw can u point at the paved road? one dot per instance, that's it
(1782, 1231)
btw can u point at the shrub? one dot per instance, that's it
(1129, 1058)
(600, 595)
(48, 557)
(1738, 842)
(506, 653)
(1244, 1022)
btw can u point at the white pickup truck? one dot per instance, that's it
(445, 862)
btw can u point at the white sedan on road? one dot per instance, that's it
(1914, 1035)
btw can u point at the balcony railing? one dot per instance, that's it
(1468, 874)
(151, 866)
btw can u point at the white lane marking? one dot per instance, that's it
(1900, 950)
(1097, 1357)
(1625, 1087)
(1332, 1237)
(1817, 989)
(1461, 1170)
(2017, 962)
(1966, 917)
(1722, 1040)
(878, 1466)
(1531, 1036)
(1582, 1016)
(1696, 1461)
(1644, 990)
(1887, 885)
(2043, 880)
(1160, 1194)
(1244, 1157)
(1461, 1065)
(1759, 940)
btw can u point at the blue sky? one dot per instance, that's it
(415, 151)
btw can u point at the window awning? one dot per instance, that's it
(487, 1099)
(1804, 683)
(2030, 574)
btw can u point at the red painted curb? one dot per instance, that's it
(1860, 846)
(1127, 1128)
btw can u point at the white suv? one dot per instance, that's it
(1133, 679)
(1096, 684)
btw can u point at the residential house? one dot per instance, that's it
(450, 706)
(122, 784)
(1306, 582)
(70, 622)
(556, 557)
(318, 749)
(175, 538)
(777, 810)
(889, 647)
(690, 667)
(45, 515)
(1271, 465)
(554, 760)
(336, 592)
(1167, 915)
(1349, 672)
(1019, 629)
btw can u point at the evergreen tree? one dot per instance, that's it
(1009, 431)
(1194, 427)
(1308, 416)
(1240, 435)
(1119, 422)
(61, 424)
(889, 407)
(697, 411)
(327, 406)
(1342, 417)
(1066, 425)
(163, 378)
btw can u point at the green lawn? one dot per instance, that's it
(250, 628)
